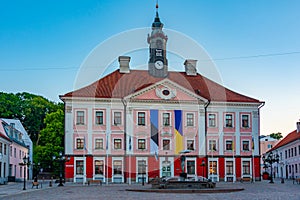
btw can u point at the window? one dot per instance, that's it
(229, 167)
(141, 119)
(141, 144)
(79, 167)
(228, 120)
(245, 121)
(15, 152)
(5, 149)
(117, 144)
(190, 166)
(10, 151)
(20, 154)
(190, 119)
(80, 118)
(166, 169)
(228, 145)
(212, 120)
(269, 146)
(117, 118)
(141, 167)
(294, 148)
(212, 145)
(285, 153)
(166, 144)
(117, 167)
(292, 152)
(289, 152)
(166, 119)
(190, 144)
(99, 143)
(99, 118)
(99, 166)
(79, 143)
(246, 167)
(213, 167)
(246, 146)
(296, 168)
(0, 147)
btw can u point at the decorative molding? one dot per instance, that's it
(165, 92)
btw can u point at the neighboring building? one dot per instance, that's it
(133, 124)
(4, 155)
(288, 150)
(26, 139)
(266, 143)
(16, 150)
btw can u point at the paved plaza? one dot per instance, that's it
(257, 190)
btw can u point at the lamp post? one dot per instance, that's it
(271, 158)
(203, 166)
(24, 164)
(61, 159)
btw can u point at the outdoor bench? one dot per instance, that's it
(35, 184)
(94, 182)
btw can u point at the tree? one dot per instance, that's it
(51, 139)
(276, 136)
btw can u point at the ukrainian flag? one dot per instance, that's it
(178, 132)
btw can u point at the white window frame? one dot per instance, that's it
(228, 140)
(215, 119)
(137, 118)
(190, 139)
(103, 118)
(232, 120)
(211, 150)
(76, 117)
(170, 119)
(121, 118)
(249, 125)
(96, 143)
(187, 119)
(170, 142)
(248, 145)
(137, 144)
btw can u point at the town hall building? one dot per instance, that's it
(133, 125)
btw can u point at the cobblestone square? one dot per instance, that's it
(257, 190)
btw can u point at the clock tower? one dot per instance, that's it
(157, 40)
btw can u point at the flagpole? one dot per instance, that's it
(106, 158)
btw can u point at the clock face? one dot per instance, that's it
(159, 64)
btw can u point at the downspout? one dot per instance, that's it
(205, 130)
(125, 137)
(259, 151)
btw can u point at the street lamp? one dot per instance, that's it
(61, 159)
(203, 166)
(271, 158)
(24, 164)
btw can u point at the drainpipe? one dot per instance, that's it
(125, 137)
(205, 121)
(259, 107)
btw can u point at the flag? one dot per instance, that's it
(178, 131)
(156, 155)
(129, 143)
(106, 141)
(154, 131)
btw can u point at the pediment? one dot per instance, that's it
(165, 90)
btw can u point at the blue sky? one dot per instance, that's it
(255, 44)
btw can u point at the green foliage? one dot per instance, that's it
(276, 136)
(30, 109)
(42, 119)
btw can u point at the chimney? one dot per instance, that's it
(124, 64)
(190, 67)
(298, 127)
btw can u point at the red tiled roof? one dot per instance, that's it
(118, 85)
(288, 139)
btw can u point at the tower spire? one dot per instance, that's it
(157, 23)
